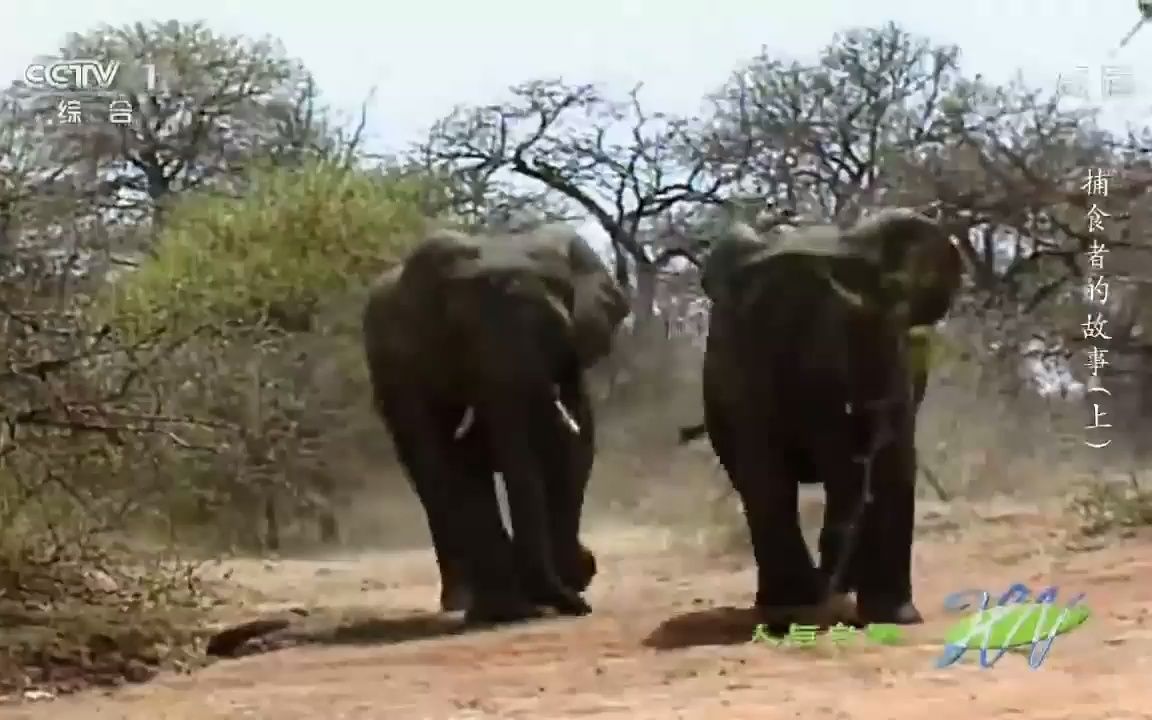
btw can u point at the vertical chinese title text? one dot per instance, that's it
(1096, 295)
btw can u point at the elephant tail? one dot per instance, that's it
(691, 432)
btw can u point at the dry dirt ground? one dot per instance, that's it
(651, 590)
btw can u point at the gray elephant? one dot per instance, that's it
(476, 349)
(814, 372)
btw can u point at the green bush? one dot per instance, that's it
(294, 239)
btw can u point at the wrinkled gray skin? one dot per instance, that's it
(476, 348)
(811, 359)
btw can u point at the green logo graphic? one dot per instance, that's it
(1014, 622)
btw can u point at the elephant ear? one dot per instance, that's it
(921, 266)
(735, 250)
(598, 303)
(404, 299)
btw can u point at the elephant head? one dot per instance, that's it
(919, 267)
(506, 314)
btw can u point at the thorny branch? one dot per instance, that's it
(50, 393)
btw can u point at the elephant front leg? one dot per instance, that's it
(455, 594)
(883, 561)
(471, 459)
(788, 587)
(841, 477)
(501, 597)
(517, 441)
(840, 534)
(472, 550)
(570, 460)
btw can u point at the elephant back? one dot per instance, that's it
(450, 254)
(738, 256)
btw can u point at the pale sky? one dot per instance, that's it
(424, 56)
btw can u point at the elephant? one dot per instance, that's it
(476, 349)
(814, 371)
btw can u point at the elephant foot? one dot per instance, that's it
(506, 610)
(585, 568)
(455, 599)
(564, 601)
(885, 610)
(572, 605)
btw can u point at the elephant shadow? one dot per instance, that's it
(391, 630)
(713, 626)
(330, 628)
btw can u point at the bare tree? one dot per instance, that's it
(819, 139)
(615, 162)
(1009, 180)
(479, 198)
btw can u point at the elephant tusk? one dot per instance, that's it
(855, 299)
(557, 306)
(466, 423)
(469, 419)
(567, 417)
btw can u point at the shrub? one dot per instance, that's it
(294, 239)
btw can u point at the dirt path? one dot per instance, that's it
(599, 667)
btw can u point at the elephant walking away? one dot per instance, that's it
(814, 371)
(476, 349)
